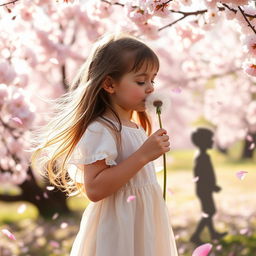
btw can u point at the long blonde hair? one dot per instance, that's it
(52, 144)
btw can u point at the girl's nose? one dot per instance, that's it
(150, 88)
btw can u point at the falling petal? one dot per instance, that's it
(218, 247)
(54, 61)
(170, 191)
(54, 244)
(252, 146)
(37, 197)
(195, 179)
(45, 195)
(50, 188)
(17, 120)
(205, 215)
(243, 231)
(176, 90)
(63, 225)
(202, 250)
(249, 138)
(21, 208)
(159, 168)
(130, 198)
(55, 216)
(177, 237)
(8, 234)
(241, 174)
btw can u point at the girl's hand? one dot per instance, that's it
(156, 145)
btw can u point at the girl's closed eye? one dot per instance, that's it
(142, 83)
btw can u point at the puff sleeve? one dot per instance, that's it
(97, 143)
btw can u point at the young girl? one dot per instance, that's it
(99, 142)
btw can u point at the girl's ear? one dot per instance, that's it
(108, 84)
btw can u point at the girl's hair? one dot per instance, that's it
(52, 145)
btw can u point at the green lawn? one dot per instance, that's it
(235, 204)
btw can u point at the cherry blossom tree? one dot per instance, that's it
(207, 55)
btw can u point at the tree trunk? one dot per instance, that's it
(47, 202)
(247, 152)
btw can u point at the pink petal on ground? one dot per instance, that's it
(21, 208)
(54, 244)
(130, 198)
(241, 174)
(8, 234)
(202, 250)
(252, 146)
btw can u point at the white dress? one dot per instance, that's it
(113, 226)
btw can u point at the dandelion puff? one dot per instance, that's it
(159, 99)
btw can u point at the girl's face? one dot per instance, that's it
(133, 88)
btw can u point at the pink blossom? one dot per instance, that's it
(3, 93)
(7, 73)
(236, 2)
(149, 29)
(202, 250)
(159, 8)
(99, 9)
(251, 115)
(249, 68)
(250, 44)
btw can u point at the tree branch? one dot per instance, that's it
(12, 2)
(246, 19)
(9, 198)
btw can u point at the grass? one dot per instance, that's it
(235, 205)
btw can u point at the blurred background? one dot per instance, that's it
(207, 72)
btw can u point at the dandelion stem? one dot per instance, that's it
(158, 111)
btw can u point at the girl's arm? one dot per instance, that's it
(102, 181)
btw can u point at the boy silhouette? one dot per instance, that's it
(205, 184)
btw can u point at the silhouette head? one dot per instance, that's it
(202, 138)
